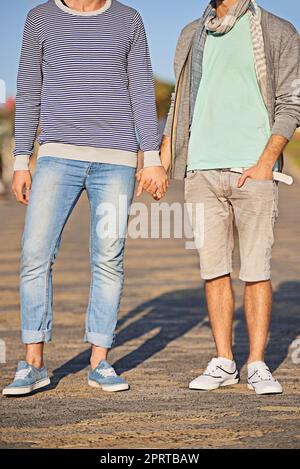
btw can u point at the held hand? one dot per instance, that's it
(154, 180)
(260, 172)
(138, 178)
(21, 186)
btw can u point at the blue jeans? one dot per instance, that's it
(57, 186)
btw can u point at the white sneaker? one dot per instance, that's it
(220, 372)
(261, 381)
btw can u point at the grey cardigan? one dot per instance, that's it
(282, 48)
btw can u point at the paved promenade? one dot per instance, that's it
(164, 341)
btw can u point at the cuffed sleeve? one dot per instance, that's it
(152, 158)
(21, 163)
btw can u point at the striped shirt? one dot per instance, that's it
(86, 79)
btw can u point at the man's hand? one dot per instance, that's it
(263, 170)
(260, 172)
(154, 180)
(21, 186)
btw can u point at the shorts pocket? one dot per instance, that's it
(191, 175)
(261, 181)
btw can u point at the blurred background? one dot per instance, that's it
(163, 19)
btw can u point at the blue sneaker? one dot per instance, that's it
(105, 377)
(27, 379)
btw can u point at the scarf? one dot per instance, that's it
(210, 22)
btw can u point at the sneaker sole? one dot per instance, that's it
(252, 388)
(26, 389)
(113, 388)
(230, 382)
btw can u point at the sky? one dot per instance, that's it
(163, 20)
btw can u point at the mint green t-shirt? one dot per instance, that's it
(231, 126)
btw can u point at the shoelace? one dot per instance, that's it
(22, 374)
(211, 367)
(264, 374)
(107, 372)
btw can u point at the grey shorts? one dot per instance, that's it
(254, 210)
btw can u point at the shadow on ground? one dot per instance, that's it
(176, 313)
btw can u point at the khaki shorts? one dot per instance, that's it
(254, 210)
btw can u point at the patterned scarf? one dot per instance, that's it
(210, 22)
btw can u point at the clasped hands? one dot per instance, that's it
(153, 180)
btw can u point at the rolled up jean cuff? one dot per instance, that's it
(36, 337)
(100, 340)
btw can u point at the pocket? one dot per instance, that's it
(261, 181)
(191, 175)
(259, 184)
(189, 185)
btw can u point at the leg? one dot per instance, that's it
(256, 209)
(258, 307)
(110, 191)
(216, 253)
(57, 185)
(34, 354)
(220, 303)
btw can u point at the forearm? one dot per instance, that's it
(145, 117)
(142, 94)
(166, 152)
(287, 103)
(263, 170)
(170, 117)
(273, 151)
(26, 126)
(146, 122)
(28, 101)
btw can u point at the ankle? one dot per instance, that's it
(227, 355)
(36, 362)
(255, 358)
(95, 362)
(34, 355)
(98, 355)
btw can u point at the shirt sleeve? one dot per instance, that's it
(28, 100)
(170, 118)
(287, 107)
(142, 93)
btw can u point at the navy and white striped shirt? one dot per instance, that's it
(87, 79)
